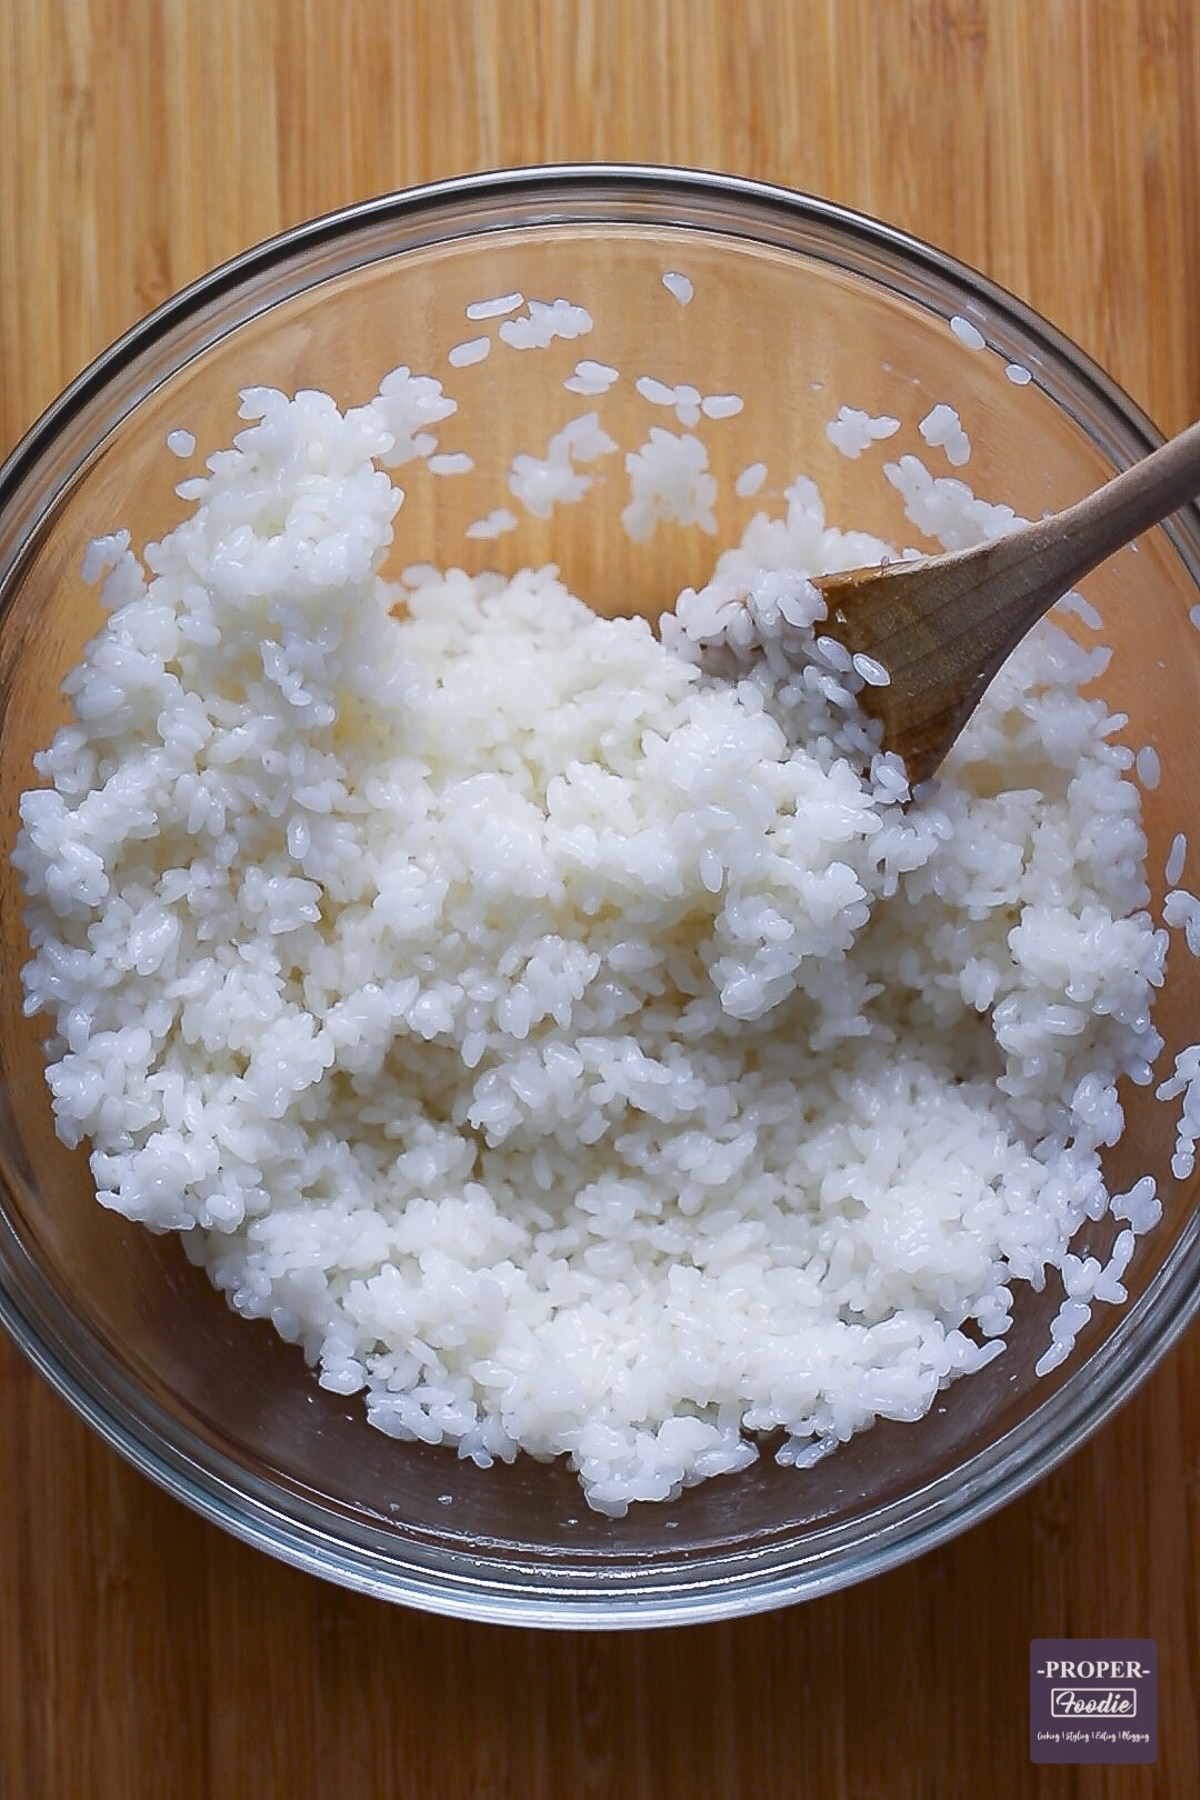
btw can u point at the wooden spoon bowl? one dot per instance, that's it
(942, 626)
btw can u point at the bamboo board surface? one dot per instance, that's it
(1056, 145)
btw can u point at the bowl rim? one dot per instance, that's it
(534, 185)
(758, 1576)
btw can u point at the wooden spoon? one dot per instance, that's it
(941, 627)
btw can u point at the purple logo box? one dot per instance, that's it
(1093, 1700)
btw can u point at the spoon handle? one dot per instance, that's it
(1071, 543)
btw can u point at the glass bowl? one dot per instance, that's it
(798, 307)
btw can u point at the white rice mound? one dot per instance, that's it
(569, 1035)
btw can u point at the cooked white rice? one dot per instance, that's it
(493, 524)
(722, 406)
(496, 307)
(1176, 858)
(678, 285)
(544, 321)
(570, 1036)
(942, 429)
(750, 481)
(541, 483)
(591, 378)
(967, 333)
(469, 352)
(669, 479)
(854, 430)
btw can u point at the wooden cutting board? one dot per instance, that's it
(1056, 145)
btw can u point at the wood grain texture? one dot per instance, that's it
(1053, 143)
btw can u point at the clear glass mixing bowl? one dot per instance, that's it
(798, 307)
